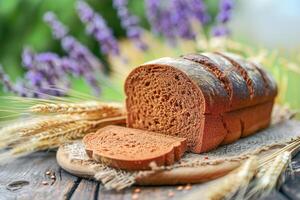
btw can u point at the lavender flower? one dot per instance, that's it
(220, 30)
(181, 19)
(96, 26)
(160, 19)
(198, 9)
(4, 78)
(130, 23)
(152, 8)
(70, 65)
(78, 51)
(27, 58)
(45, 72)
(19, 88)
(87, 63)
(73, 47)
(225, 10)
(80, 61)
(172, 19)
(59, 30)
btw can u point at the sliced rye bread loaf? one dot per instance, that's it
(133, 149)
(210, 99)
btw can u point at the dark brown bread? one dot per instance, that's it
(133, 149)
(210, 98)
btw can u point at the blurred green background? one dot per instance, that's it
(21, 25)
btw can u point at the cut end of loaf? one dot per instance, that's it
(162, 99)
(133, 149)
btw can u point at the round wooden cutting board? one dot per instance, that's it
(179, 175)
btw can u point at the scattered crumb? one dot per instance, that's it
(134, 196)
(53, 177)
(170, 194)
(45, 183)
(179, 188)
(153, 165)
(48, 173)
(188, 187)
(206, 157)
(137, 190)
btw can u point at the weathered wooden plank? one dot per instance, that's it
(32, 168)
(87, 190)
(147, 193)
(115, 195)
(275, 195)
(291, 187)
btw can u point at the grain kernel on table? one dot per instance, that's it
(134, 196)
(137, 190)
(179, 188)
(53, 177)
(188, 187)
(48, 172)
(170, 194)
(45, 183)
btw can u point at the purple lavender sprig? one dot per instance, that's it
(18, 88)
(225, 12)
(45, 73)
(130, 23)
(181, 19)
(86, 62)
(97, 27)
(160, 19)
(59, 30)
(172, 19)
(5, 80)
(72, 46)
(199, 10)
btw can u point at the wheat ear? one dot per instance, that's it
(19, 125)
(36, 125)
(88, 106)
(27, 148)
(233, 184)
(268, 176)
(53, 137)
(270, 170)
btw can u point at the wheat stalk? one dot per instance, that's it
(252, 180)
(88, 106)
(37, 125)
(270, 170)
(268, 176)
(19, 125)
(52, 137)
(292, 147)
(233, 184)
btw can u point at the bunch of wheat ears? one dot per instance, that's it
(254, 179)
(46, 124)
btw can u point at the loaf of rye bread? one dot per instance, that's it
(210, 98)
(133, 149)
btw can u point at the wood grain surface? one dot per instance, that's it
(28, 176)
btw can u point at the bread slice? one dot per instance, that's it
(133, 149)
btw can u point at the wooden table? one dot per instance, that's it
(31, 172)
